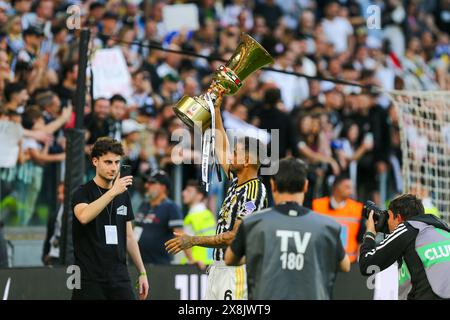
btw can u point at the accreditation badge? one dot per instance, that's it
(111, 235)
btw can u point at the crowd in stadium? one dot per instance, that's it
(337, 129)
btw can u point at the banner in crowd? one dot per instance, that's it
(172, 14)
(111, 75)
(10, 135)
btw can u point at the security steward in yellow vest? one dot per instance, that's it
(345, 211)
(199, 221)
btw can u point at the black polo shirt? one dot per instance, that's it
(97, 260)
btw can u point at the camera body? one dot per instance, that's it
(380, 217)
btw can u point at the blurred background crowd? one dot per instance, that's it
(337, 129)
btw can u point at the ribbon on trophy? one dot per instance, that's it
(208, 144)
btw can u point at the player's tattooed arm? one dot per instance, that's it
(184, 241)
(221, 240)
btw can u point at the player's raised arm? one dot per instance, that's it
(222, 144)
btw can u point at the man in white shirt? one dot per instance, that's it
(338, 30)
(293, 89)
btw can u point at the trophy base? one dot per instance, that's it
(193, 112)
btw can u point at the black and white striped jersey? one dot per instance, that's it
(240, 201)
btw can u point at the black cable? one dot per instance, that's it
(158, 46)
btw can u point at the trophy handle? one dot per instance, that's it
(216, 92)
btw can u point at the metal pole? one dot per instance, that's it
(178, 185)
(75, 157)
(80, 96)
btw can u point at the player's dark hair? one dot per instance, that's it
(255, 147)
(291, 176)
(104, 145)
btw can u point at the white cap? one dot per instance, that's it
(130, 126)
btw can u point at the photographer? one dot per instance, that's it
(418, 241)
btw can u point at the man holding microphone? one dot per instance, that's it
(102, 230)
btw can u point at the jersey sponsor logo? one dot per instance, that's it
(122, 210)
(249, 207)
(291, 260)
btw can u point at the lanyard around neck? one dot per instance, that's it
(107, 209)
